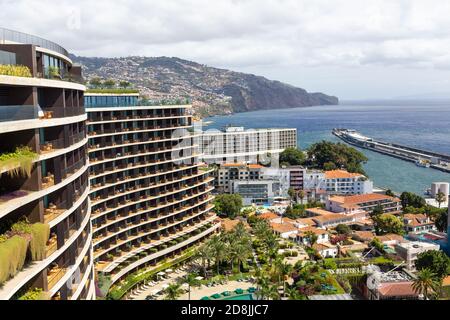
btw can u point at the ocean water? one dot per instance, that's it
(419, 124)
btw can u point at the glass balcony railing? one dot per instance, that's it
(20, 37)
(16, 113)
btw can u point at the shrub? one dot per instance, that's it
(40, 234)
(35, 294)
(13, 253)
(15, 70)
(112, 91)
(329, 264)
(19, 162)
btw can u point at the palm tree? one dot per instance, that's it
(271, 243)
(271, 292)
(312, 238)
(440, 197)
(282, 269)
(204, 252)
(426, 284)
(241, 253)
(301, 195)
(262, 283)
(191, 281)
(219, 250)
(173, 291)
(261, 230)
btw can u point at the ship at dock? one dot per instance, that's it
(421, 158)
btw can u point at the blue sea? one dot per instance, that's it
(422, 124)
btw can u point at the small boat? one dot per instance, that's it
(422, 163)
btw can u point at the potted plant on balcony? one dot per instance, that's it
(19, 162)
(54, 72)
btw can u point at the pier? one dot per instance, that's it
(422, 158)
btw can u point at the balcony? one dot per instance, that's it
(53, 211)
(55, 273)
(17, 113)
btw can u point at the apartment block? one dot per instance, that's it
(365, 202)
(238, 145)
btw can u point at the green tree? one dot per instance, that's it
(327, 155)
(388, 223)
(311, 238)
(435, 261)
(109, 83)
(191, 281)
(292, 194)
(301, 196)
(228, 205)
(410, 199)
(95, 82)
(377, 211)
(124, 84)
(173, 291)
(426, 284)
(441, 221)
(292, 156)
(343, 229)
(440, 198)
(218, 249)
(205, 254)
(377, 244)
(390, 193)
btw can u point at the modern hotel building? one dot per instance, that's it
(150, 200)
(237, 145)
(45, 229)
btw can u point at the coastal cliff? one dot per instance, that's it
(212, 90)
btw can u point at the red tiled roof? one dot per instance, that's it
(396, 289)
(317, 231)
(340, 174)
(362, 198)
(283, 227)
(417, 220)
(268, 216)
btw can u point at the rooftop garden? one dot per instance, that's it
(98, 85)
(15, 70)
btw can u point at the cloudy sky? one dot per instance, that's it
(350, 48)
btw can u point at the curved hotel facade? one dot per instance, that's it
(45, 229)
(150, 199)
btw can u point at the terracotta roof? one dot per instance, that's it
(317, 231)
(446, 281)
(228, 224)
(364, 235)
(255, 166)
(391, 237)
(319, 211)
(306, 221)
(250, 166)
(332, 217)
(361, 198)
(322, 246)
(396, 289)
(268, 216)
(416, 220)
(232, 164)
(341, 174)
(283, 227)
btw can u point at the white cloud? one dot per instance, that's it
(247, 34)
